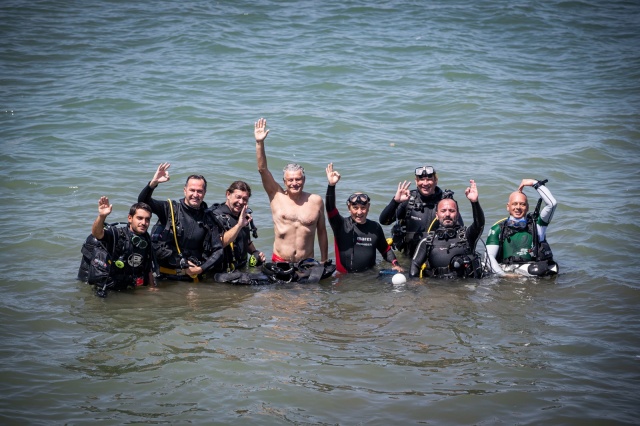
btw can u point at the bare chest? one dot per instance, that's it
(285, 211)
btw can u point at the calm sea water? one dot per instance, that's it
(93, 95)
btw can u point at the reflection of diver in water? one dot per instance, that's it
(517, 245)
(449, 251)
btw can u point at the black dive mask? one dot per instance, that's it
(445, 233)
(517, 223)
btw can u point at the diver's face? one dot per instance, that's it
(426, 184)
(194, 192)
(447, 213)
(236, 200)
(518, 206)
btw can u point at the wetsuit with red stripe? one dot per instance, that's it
(355, 244)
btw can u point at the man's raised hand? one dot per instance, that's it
(260, 130)
(104, 208)
(161, 175)
(332, 175)
(403, 193)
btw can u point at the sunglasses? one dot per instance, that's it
(427, 171)
(359, 199)
(138, 242)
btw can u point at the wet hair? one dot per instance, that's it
(239, 185)
(196, 177)
(292, 167)
(139, 206)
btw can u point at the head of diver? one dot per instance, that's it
(426, 180)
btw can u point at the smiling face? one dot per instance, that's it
(518, 205)
(426, 184)
(447, 213)
(359, 212)
(293, 181)
(139, 221)
(236, 200)
(194, 192)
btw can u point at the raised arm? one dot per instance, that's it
(268, 182)
(333, 177)
(104, 210)
(550, 203)
(323, 240)
(160, 176)
(388, 215)
(475, 230)
(231, 234)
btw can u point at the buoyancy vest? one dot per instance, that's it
(536, 250)
(119, 266)
(236, 253)
(191, 232)
(419, 214)
(447, 253)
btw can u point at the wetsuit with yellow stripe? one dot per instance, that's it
(194, 234)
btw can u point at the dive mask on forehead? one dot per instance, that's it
(425, 171)
(359, 199)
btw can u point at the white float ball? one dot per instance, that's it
(399, 279)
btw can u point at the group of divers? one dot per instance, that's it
(192, 241)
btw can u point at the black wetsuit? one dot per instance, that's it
(198, 237)
(355, 244)
(236, 253)
(137, 258)
(439, 248)
(416, 218)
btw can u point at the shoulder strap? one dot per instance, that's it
(122, 238)
(462, 235)
(411, 205)
(532, 221)
(503, 223)
(173, 224)
(428, 239)
(222, 219)
(116, 235)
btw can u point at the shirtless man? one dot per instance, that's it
(297, 215)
